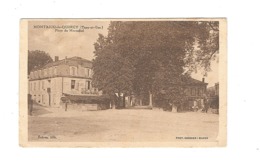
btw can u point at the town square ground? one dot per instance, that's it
(127, 125)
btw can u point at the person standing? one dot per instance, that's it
(30, 104)
(205, 103)
(195, 106)
(66, 103)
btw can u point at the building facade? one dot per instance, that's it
(195, 91)
(70, 76)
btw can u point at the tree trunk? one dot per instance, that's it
(118, 100)
(113, 104)
(131, 101)
(123, 100)
(112, 101)
(150, 99)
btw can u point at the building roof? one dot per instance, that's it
(191, 81)
(73, 61)
(91, 99)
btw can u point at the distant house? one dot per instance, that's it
(213, 90)
(213, 95)
(194, 90)
(70, 76)
(191, 90)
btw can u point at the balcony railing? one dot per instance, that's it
(89, 91)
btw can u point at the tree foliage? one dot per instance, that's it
(112, 72)
(205, 47)
(151, 56)
(37, 59)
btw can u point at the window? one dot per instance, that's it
(193, 91)
(54, 99)
(182, 89)
(73, 84)
(54, 84)
(43, 99)
(34, 84)
(87, 72)
(48, 84)
(39, 98)
(188, 91)
(200, 92)
(73, 71)
(43, 85)
(45, 72)
(55, 71)
(50, 71)
(88, 84)
(39, 73)
(77, 85)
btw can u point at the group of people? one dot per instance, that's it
(204, 104)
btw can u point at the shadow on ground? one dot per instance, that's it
(138, 108)
(39, 110)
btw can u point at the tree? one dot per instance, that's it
(37, 59)
(113, 73)
(157, 50)
(204, 48)
(156, 53)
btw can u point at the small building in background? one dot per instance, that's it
(217, 89)
(213, 90)
(213, 96)
(194, 91)
(191, 91)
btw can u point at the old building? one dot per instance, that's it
(213, 95)
(213, 90)
(194, 90)
(71, 76)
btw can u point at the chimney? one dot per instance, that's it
(203, 80)
(56, 58)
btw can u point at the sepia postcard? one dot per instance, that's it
(123, 82)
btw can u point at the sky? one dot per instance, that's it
(212, 76)
(64, 44)
(57, 42)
